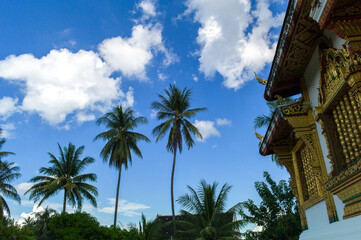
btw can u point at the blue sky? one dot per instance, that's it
(65, 63)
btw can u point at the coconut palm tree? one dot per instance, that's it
(204, 215)
(64, 173)
(121, 141)
(2, 142)
(174, 108)
(8, 172)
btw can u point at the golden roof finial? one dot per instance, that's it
(260, 80)
(259, 136)
(279, 99)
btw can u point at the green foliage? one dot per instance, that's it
(82, 226)
(277, 214)
(64, 174)
(204, 215)
(10, 231)
(79, 226)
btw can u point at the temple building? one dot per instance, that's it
(317, 136)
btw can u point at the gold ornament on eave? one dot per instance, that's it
(260, 80)
(259, 136)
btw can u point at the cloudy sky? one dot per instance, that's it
(63, 64)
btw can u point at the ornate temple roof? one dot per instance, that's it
(298, 39)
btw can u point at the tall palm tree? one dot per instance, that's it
(205, 216)
(64, 173)
(121, 141)
(8, 172)
(174, 108)
(2, 142)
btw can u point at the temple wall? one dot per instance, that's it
(317, 216)
(342, 230)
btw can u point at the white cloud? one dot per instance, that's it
(234, 40)
(82, 83)
(148, 9)
(7, 130)
(82, 117)
(131, 55)
(153, 114)
(207, 129)
(195, 78)
(31, 214)
(56, 206)
(126, 208)
(162, 76)
(223, 122)
(23, 187)
(62, 83)
(7, 107)
(128, 98)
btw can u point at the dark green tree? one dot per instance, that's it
(204, 215)
(277, 213)
(174, 108)
(64, 173)
(121, 140)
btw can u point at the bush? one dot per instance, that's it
(10, 231)
(76, 226)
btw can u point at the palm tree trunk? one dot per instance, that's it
(171, 191)
(117, 198)
(64, 203)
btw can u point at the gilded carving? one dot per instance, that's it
(343, 175)
(346, 23)
(260, 80)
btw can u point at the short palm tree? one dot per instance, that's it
(64, 173)
(42, 221)
(264, 120)
(8, 172)
(204, 215)
(174, 108)
(149, 230)
(121, 141)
